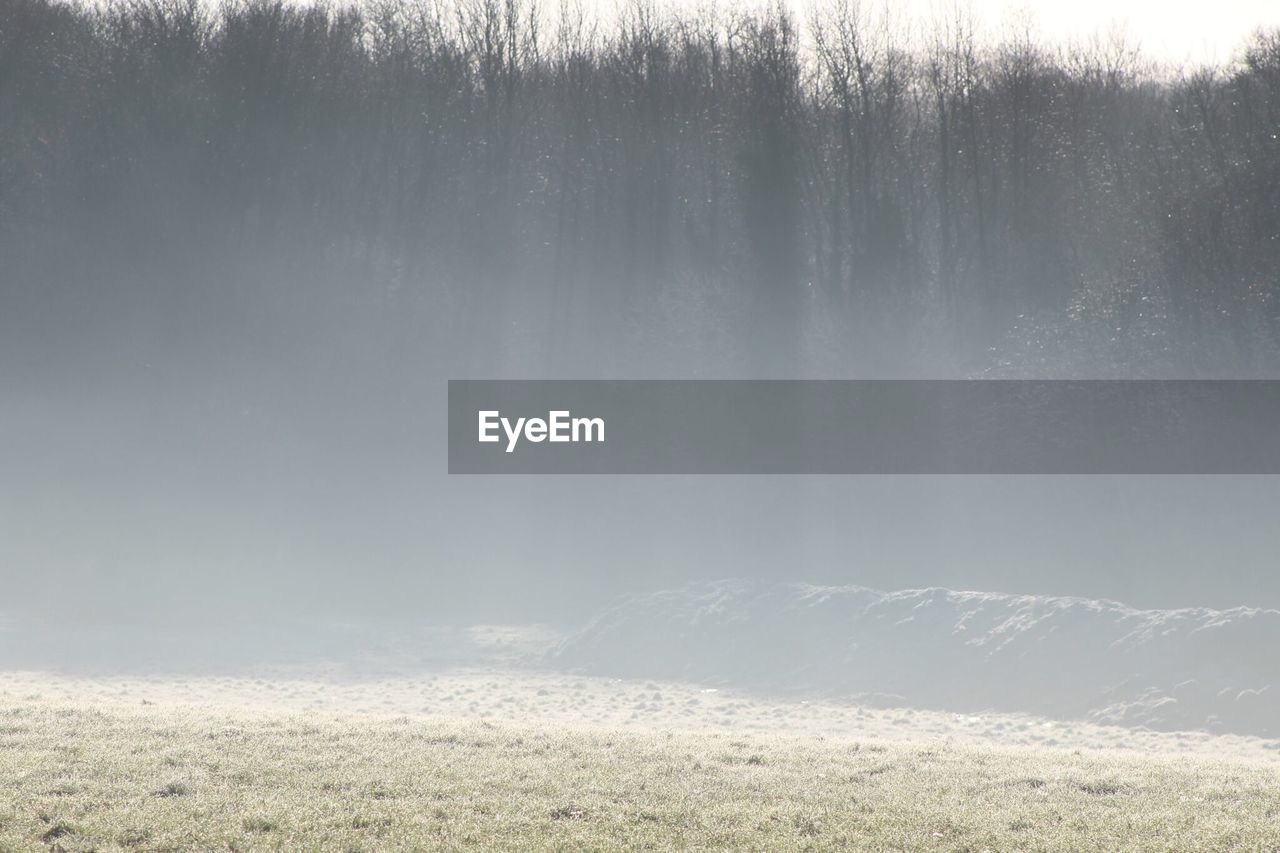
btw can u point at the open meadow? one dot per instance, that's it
(506, 759)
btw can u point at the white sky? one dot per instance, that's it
(1173, 31)
(1169, 30)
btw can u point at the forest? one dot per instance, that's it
(507, 187)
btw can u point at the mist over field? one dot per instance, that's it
(243, 247)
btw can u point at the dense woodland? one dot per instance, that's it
(497, 187)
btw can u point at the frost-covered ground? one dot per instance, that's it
(1064, 658)
(165, 776)
(517, 696)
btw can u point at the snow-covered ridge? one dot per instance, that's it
(1074, 658)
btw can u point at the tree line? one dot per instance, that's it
(507, 186)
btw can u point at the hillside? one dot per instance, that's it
(1068, 658)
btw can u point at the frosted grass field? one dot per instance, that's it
(524, 760)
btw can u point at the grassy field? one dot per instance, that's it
(159, 774)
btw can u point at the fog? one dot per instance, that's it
(243, 250)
